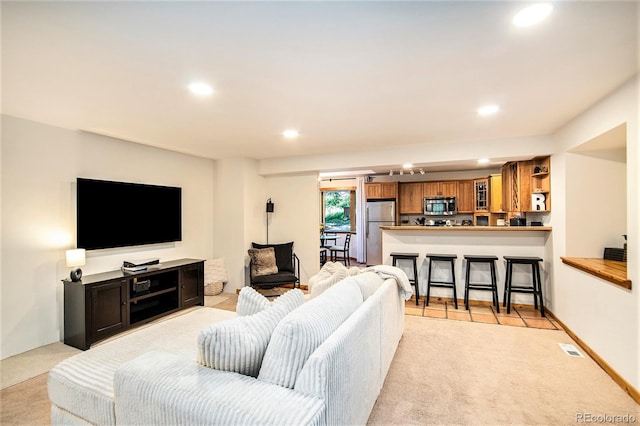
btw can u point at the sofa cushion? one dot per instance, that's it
(239, 344)
(284, 255)
(263, 262)
(251, 302)
(303, 330)
(320, 286)
(368, 282)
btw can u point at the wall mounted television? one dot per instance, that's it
(121, 214)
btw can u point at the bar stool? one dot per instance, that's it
(536, 285)
(413, 258)
(492, 286)
(451, 258)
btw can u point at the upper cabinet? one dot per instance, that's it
(495, 194)
(481, 195)
(411, 195)
(410, 198)
(381, 190)
(526, 185)
(440, 189)
(465, 196)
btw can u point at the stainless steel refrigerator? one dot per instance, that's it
(379, 213)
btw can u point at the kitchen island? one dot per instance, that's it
(472, 240)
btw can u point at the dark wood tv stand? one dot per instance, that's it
(102, 305)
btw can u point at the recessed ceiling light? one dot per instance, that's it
(201, 89)
(407, 165)
(533, 14)
(488, 110)
(290, 133)
(483, 161)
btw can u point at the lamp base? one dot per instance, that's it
(76, 275)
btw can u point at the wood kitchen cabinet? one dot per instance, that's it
(541, 182)
(381, 190)
(465, 196)
(521, 180)
(481, 195)
(495, 194)
(440, 189)
(410, 198)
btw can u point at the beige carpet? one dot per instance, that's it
(453, 372)
(450, 372)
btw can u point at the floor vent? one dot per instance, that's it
(570, 350)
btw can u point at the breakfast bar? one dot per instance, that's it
(500, 241)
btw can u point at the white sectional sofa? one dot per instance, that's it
(324, 363)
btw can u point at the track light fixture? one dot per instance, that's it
(390, 172)
(421, 171)
(401, 172)
(411, 171)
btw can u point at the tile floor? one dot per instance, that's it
(520, 316)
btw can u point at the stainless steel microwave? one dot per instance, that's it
(440, 206)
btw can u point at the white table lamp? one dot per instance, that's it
(76, 258)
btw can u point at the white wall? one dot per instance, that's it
(240, 198)
(40, 164)
(296, 217)
(596, 194)
(606, 317)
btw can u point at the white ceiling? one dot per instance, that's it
(348, 75)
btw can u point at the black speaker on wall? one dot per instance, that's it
(269, 206)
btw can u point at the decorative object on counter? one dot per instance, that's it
(75, 258)
(467, 223)
(536, 223)
(501, 222)
(517, 221)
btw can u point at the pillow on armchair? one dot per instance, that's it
(263, 261)
(283, 252)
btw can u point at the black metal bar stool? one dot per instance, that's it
(451, 258)
(536, 284)
(413, 258)
(492, 286)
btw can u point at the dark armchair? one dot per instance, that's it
(288, 267)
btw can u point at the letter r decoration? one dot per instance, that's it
(537, 202)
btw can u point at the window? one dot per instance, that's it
(338, 210)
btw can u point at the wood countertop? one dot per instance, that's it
(609, 270)
(466, 228)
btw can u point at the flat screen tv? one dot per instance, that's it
(120, 214)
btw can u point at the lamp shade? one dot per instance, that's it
(75, 257)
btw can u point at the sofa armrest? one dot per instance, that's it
(163, 388)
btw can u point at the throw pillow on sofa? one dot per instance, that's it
(251, 302)
(263, 262)
(239, 344)
(303, 330)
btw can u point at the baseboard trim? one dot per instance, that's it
(626, 386)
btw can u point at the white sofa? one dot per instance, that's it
(325, 363)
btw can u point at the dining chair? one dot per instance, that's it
(342, 250)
